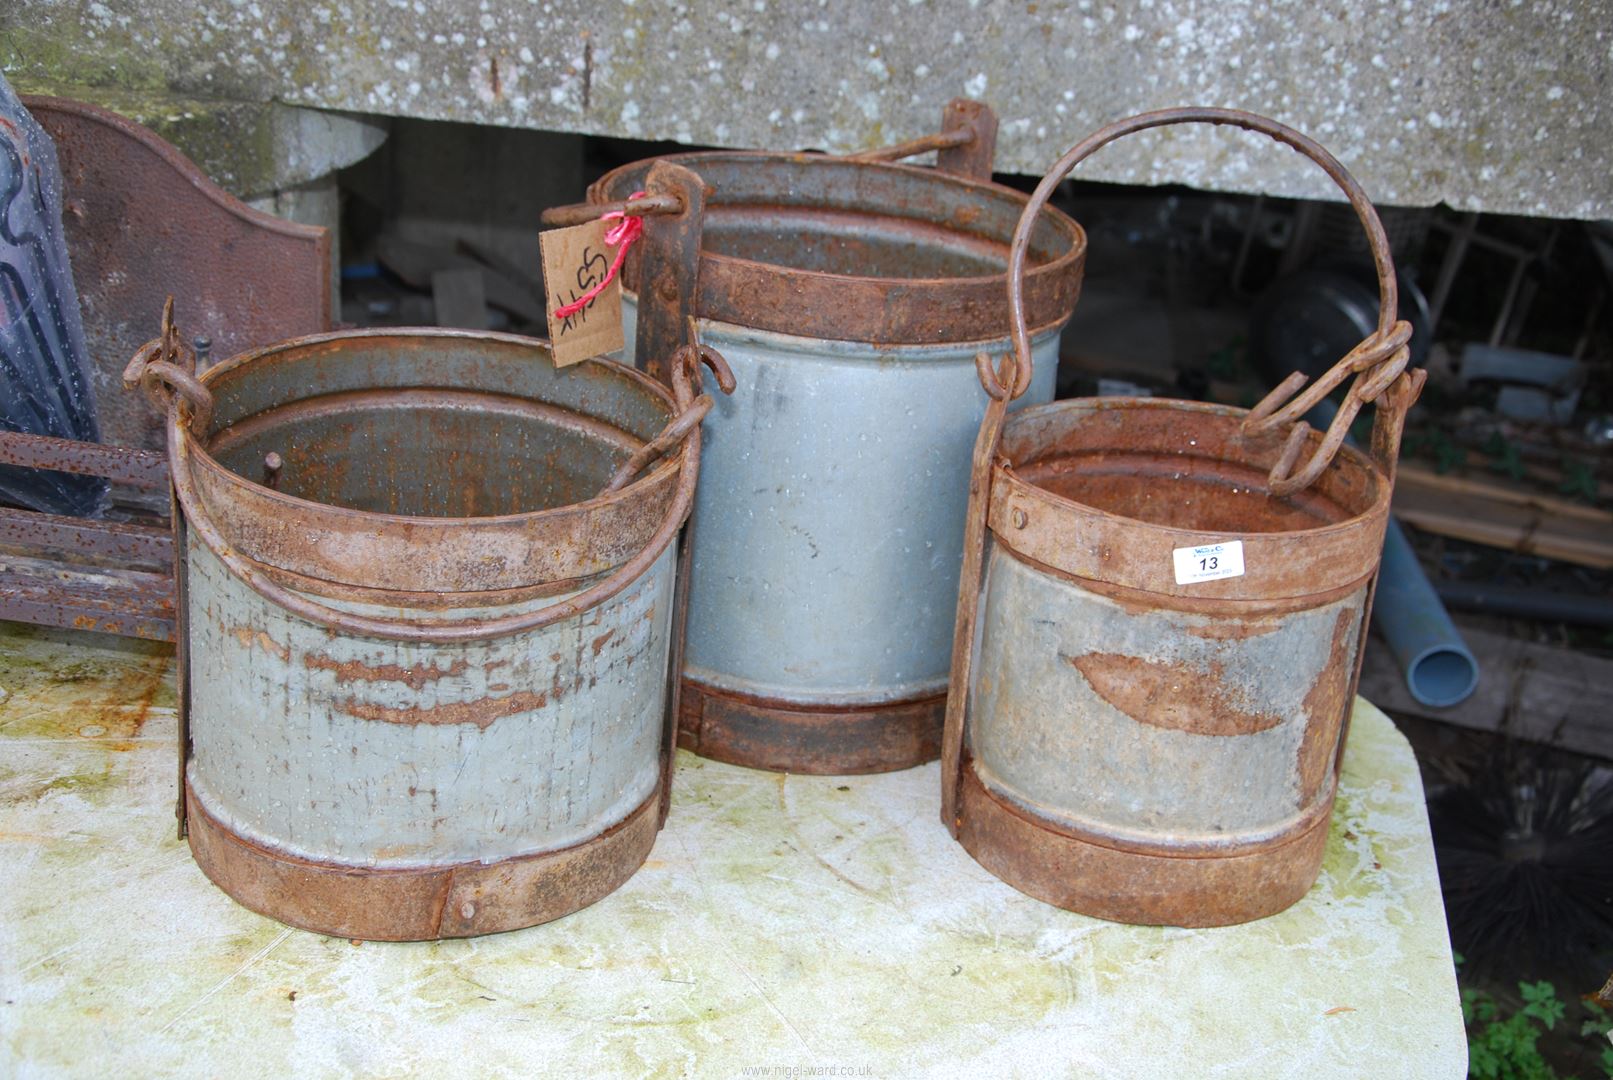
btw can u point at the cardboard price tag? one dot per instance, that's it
(575, 260)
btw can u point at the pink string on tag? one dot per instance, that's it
(620, 236)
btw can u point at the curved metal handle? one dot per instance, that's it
(965, 145)
(1375, 363)
(584, 212)
(685, 421)
(940, 140)
(166, 366)
(686, 369)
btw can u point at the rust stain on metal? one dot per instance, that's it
(417, 904)
(244, 277)
(764, 733)
(251, 635)
(1087, 875)
(414, 678)
(882, 277)
(1171, 696)
(1325, 707)
(482, 712)
(600, 641)
(1230, 629)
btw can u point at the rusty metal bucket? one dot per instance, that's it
(851, 296)
(428, 604)
(1160, 619)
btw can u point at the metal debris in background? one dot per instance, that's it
(140, 221)
(850, 295)
(43, 385)
(461, 580)
(143, 223)
(1160, 619)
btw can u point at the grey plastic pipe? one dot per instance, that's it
(1440, 670)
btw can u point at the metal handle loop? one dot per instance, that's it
(1383, 348)
(998, 383)
(940, 140)
(686, 373)
(676, 430)
(584, 212)
(165, 366)
(467, 630)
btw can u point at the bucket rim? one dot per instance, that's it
(890, 310)
(198, 454)
(1128, 553)
(1350, 453)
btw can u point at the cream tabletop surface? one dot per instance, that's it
(785, 926)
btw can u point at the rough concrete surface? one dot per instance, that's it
(1500, 105)
(781, 923)
(251, 149)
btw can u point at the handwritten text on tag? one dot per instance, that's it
(575, 260)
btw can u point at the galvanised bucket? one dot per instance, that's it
(850, 296)
(428, 612)
(1160, 620)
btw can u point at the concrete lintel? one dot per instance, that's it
(1485, 106)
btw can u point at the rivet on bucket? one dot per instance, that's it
(1135, 729)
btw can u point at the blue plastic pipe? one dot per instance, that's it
(1440, 669)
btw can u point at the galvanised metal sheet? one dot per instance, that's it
(389, 754)
(831, 515)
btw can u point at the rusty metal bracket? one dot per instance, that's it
(668, 274)
(965, 146)
(974, 557)
(690, 357)
(165, 368)
(181, 652)
(972, 159)
(1388, 425)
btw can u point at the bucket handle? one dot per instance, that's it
(1375, 363)
(1378, 364)
(965, 146)
(679, 426)
(167, 389)
(165, 368)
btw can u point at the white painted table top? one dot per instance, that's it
(781, 923)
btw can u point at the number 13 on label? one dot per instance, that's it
(1208, 562)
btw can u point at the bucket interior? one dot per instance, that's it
(833, 216)
(1180, 465)
(429, 425)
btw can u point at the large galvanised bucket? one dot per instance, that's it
(1160, 621)
(851, 297)
(427, 614)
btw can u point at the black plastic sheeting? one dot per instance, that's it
(44, 382)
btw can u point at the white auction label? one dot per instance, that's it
(1209, 562)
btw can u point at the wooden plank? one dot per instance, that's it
(1507, 519)
(1555, 696)
(416, 263)
(1417, 478)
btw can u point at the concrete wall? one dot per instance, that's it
(1501, 106)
